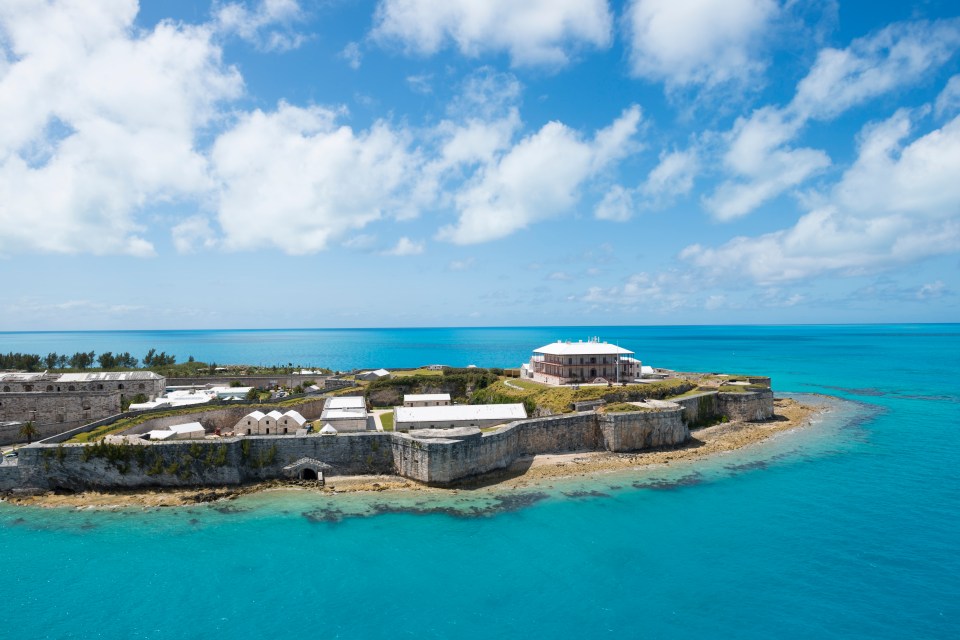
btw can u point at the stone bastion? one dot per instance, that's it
(436, 458)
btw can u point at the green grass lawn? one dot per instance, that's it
(416, 372)
(560, 399)
(386, 419)
(527, 384)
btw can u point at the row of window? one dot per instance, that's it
(29, 387)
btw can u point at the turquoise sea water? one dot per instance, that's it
(848, 529)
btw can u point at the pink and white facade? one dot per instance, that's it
(581, 362)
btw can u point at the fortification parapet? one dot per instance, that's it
(644, 430)
(750, 406)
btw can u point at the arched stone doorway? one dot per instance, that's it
(307, 469)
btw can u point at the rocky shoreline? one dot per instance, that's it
(524, 473)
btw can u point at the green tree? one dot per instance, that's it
(107, 360)
(81, 360)
(29, 431)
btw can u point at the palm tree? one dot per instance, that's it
(29, 431)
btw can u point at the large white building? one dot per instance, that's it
(426, 399)
(345, 413)
(580, 362)
(458, 415)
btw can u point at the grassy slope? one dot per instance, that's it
(560, 399)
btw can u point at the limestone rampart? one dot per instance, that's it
(434, 460)
(699, 409)
(51, 412)
(438, 461)
(749, 406)
(646, 430)
(9, 476)
(225, 461)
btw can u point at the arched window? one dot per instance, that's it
(71, 388)
(99, 387)
(141, 386)
(120, 386)
(6, 388)
(49, 387)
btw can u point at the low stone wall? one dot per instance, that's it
(9, 476)
(11, 434)
(699, 409)
(749, 406)
(638, 431)
(227, 461)
(50, 412)
(442, 461)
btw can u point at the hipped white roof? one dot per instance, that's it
(582, 349)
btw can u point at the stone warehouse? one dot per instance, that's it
(453, 416)
(58, 401)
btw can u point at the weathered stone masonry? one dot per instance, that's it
(435, 458)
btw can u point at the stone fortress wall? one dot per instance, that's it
(430, 456)
(49, 410)
(57, 402)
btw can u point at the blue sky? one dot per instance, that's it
(275, 163)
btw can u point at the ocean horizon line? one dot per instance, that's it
(487, 327)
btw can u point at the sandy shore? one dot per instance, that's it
(525, 472)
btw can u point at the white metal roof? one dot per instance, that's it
(582, 349)
(160, 434)
(109, 375)
(459, 412)
(342, 414)
(189, 427)
(295, 416)
(80, 377)
(426, 397)
(274, 414)
(328, 429)
(256, 415)
(345, 402)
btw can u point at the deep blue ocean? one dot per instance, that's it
(847, 529)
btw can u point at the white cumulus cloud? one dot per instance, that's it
(268, 25)
(406, 247)
(539, 177)
(898, 203)
(534, 32)
(97, 120)
(697, 42)
(899, 55)
(760, 156)
(296, 180)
